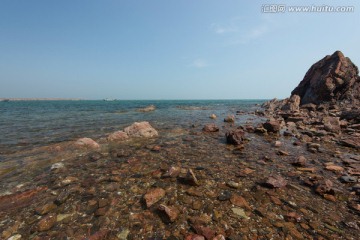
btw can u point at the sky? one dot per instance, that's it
(166, 49)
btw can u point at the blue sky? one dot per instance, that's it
(165, 49)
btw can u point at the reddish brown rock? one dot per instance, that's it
(353, 142)
(240, 201)
(276, 182)
(235, 137)
(208, 233)
(334, 77)
(334, 168)
(87, 142)
(172, 172)
(191, 179)
(172, 213)
(19, 199)
(210, 128)
(324, 186)
(45, 209)
(332, 124)
(293, 217)
(156, 148)
(99, 235)
(292, 104)
(47, 222)
(153, 196)
(300, 161)
(194, 237)
(141, 129)
(272, 126)
(117, 136)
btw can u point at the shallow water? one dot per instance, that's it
(28, 124)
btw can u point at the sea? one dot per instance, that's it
(29, 124)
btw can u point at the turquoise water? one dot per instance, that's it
(26, 124)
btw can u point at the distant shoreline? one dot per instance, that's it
(39, 99)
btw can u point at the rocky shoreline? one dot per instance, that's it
(292, 176)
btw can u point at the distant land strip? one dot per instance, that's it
(40, 99)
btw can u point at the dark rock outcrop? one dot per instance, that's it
(332, 78)
(235, 137)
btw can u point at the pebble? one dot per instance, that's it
(233, 184)
(240, 201)
(123, 235)
(47, 222)
(276, 182)
(15, 237)
(153, 196)
(240, 212)
(224, 196)
(191, 178)
(334, 168)
(45, 209)
(348, 179)
(300, 161)
(171, 212)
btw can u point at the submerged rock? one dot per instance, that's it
(276, 182)
(87, 142)
(141, 129)
(172, 213)
(118, 136)
(230, 119)
(153, 196)
(210, 128)
(213, 116)
(147, 109)
(191, 179)
(47, 222)
(235, 137)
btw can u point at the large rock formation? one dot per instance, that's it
(332, 78)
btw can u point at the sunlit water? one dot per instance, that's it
(27, 124)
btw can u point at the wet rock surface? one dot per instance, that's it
(181, 191)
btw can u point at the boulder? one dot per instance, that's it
(292, 104)
(272, 126)
(141, 129)
(332, 78)
(117, 136)
(235, 137)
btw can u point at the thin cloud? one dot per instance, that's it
(238, 33)
(199, 63)
(255, 33)
(220, 29)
